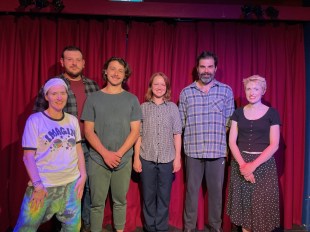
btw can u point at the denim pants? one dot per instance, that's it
(156, 181)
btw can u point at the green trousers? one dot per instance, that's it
(100, 180)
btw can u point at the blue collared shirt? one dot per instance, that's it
(205, 117)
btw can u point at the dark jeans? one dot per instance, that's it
(213, 171)
(156, 188)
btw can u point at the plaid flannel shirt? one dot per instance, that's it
(205, 118)
(71, 107)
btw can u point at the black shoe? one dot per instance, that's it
(189, 230)
(85, 228)
(216, 230)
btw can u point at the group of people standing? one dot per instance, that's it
(84, 138)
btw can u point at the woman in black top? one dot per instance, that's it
(253, 200)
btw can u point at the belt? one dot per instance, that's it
(253, 152)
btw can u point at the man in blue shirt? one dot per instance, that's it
(205, 108)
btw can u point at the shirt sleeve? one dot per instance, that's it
(78, 137)
(177, 124)
(235, 115)
(275, 117)
(30, 135)
(88, 113)
(230, 106)
(182, 108)
(141, 126)
(136, 113)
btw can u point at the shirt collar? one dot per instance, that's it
(68, 81)
(194, 84)
(152, 102)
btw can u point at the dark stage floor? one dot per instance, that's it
(294, 229)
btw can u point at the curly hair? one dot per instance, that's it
(119, 60)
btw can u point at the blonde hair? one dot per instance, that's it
(256, 78)
(149, 93)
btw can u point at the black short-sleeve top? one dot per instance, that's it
(253, 135)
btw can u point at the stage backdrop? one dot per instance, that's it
(31, 47)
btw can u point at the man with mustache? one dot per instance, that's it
(205, 108)
(79, 87)
(112, 125)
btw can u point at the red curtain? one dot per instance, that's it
(31, 47)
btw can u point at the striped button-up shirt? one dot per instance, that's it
(159, 125)
(205, 117)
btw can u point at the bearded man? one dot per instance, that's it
(79, 87)
(205, 108)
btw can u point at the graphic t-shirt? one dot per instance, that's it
(55, 144)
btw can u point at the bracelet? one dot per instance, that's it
(36, 183)
(38, 187)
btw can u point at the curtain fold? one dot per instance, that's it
(306, 195)
(31, 48)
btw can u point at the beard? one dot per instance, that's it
(73, 74)
(206, 78)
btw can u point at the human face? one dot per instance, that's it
(115, 73)
(206, 70)
(159, 87)
(57, 98)
(253, 92)
(73, 63)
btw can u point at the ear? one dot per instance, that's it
(61, 62)
(45, 96)
(83, 63)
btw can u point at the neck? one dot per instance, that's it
(53, 113)
(256, 105)
(204, 87)
(111, 89)
(158, 101)
(71, 78)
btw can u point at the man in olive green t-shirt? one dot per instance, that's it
(112, 124)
